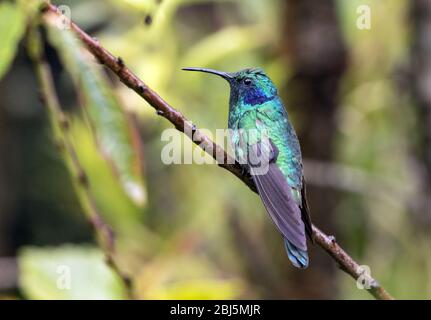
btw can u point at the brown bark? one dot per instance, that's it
(420, 86)
(314, 45)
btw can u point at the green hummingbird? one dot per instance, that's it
(266, 145)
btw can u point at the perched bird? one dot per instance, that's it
(266, 144)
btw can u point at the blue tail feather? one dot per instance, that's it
(298, 257)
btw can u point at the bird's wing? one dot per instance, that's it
(305, 211)
(276, 194)
(274, 115)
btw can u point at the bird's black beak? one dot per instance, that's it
(225, 75)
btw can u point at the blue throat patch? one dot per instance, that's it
(256, 96)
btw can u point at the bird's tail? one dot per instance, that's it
(298, 257)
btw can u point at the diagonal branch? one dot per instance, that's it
(184, 125)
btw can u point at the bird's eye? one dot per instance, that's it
(247, 81)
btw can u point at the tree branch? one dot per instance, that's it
(184, 125)
(60, 125)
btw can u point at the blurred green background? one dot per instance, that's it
(358, 99)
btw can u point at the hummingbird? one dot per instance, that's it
(266, 145)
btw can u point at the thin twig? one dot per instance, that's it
(184, 125)
(60, 124)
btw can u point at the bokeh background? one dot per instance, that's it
(359, 99)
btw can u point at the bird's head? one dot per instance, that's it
(249, 86)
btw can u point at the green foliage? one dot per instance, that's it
(190, 277)
(115, 135)
(12, 26)
(67, 272)
(120, 210)
(188, 246)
